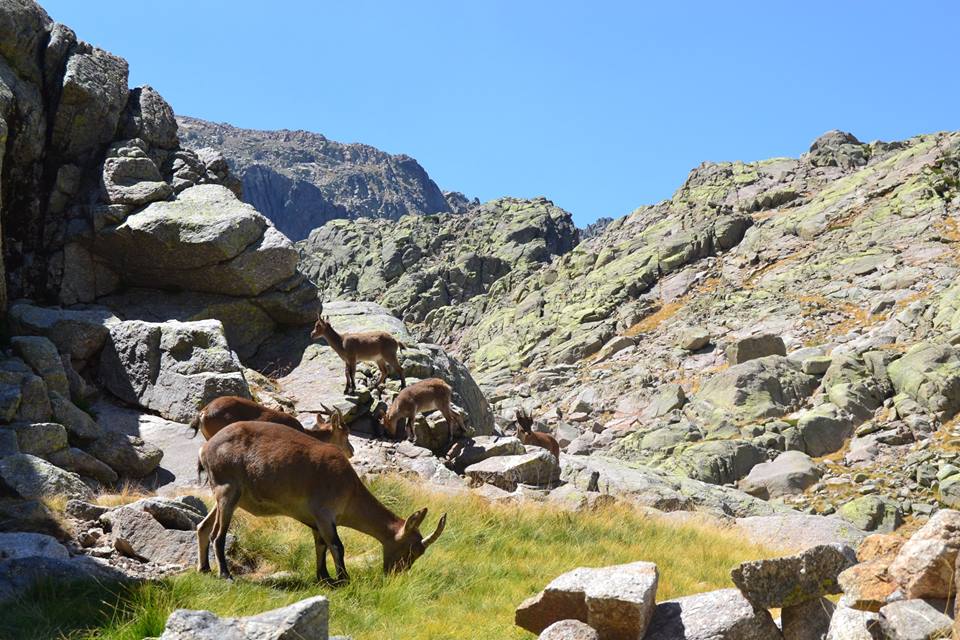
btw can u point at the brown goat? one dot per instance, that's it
(421, 397)
(369, 346)
(527, 435)
(226, 410)
(271, 470)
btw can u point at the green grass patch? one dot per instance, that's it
(489, 559)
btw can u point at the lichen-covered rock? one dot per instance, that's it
(930, 374)
(872, 513)
(914, 620)
(79, 333)
(766, 387)
(792, 580)
(706, 616)
(924, 567)
(618, 601)
(40, 438)
(789, 473)
(130, 456)
(809, 620)
(718, 461)
(753, 347)
(823, 430)
(32, 477)
(174, 368)
(538, 468)
(798, 531)
(42, 356)
(304, 620)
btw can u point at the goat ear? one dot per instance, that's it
(413, 523)
(430, 539)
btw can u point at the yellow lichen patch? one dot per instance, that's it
(854, 317)
(655, 319)
(754, 277)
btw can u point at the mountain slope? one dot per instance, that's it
(300, 180)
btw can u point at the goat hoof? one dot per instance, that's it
(203, 569)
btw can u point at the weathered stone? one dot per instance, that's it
(172, 514)
(792, 580)
(77, 421)
(668, 398)
(84, 510)
(924, 566)
(823, 430)
(19, 575)
(480, 448)
(930, 374)
(304, 620)
(719, 461)
(866, 586)
(763, 388)
(617, 601)
(694, 339)
(81, 462)
(25, 545)
(788, 474)
(569, 630)
(753, 347)
(204, 240)
(41, 438)
(797, 532)
(80, 334)
(137, 534)
(914, 620)
(32, 477)
(130, 456)
(872, 513)
(816, 365)
(852, 624)
(42, 356)
(539, 468)
(707, 616)
(174, 368)
(809, 620)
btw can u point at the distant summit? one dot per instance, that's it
(300, 180)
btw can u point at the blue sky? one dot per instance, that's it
(600, 106)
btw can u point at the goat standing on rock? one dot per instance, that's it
(369, 346)
(423, 396)
(269, 470)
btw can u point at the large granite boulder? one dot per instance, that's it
(707, 616)
(766, 387)
(793, 580)
(32, 477)
(617, 601)
(924, 567)
(304, 620)
(204, 240)
(538, 468)
(788, 474)
(930, 374)
(78, 333)
(173, 368)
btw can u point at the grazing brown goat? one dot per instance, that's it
(369, 346)
(423, 396)
(229, 409)
(271, 470)
(527, 435)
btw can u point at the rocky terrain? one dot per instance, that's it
(300, 180)
(775, 347)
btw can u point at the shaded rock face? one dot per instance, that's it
(716, 614)
(301, 180)
(83, 155)
(793, 580)
(419, 264)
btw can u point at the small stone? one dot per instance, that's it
(753, 347)
(694, 339)
(569, 630)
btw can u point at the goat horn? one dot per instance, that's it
(430, 539)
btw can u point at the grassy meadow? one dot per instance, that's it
(489, 559)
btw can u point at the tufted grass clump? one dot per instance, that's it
(490, 558)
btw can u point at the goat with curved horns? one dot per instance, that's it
(226, 410)
(270, 470)
(368, 346)
(527, 435)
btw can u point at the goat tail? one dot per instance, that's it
(200, 470)
(195, 424)
(401, 346)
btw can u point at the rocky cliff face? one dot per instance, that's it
(300, 180)
(420, 264)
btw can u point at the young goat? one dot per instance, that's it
(270, 470)
(226, 410)
(369, 346)
(527, 435)
(423, 396)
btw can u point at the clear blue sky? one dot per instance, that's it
(600, 106)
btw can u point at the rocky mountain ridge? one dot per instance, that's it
(301, 180)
